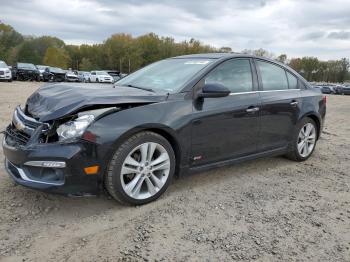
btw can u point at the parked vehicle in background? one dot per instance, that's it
(338, 89)
(326, 90)
(71, 76)
(115, 74)
(5, 72)
(41, 69)
(181, 114)
(100, 77)
(83, 76)
(54, 74)
(123, 75)
(25, 71)
(346, 90)
(332, 88)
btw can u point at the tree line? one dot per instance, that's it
(126, 53)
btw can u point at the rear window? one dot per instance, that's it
(273, 77)
(292, 81)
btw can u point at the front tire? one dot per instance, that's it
(304, 140)
(141, 169)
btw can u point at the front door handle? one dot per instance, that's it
(294, 103)
(252, 109)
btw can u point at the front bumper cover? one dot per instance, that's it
(22, 165)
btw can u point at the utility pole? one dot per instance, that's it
(120, 65)
(129, 65)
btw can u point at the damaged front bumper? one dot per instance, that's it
(56, 167)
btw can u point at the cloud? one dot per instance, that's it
(294, 27)
(343, 35)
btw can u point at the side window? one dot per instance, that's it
(292, 80)
(93, 73)
(235, 74)
(273, 77)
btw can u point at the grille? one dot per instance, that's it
(2, 73)
(15, 137)
(27, 121)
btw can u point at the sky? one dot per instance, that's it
(297, 28)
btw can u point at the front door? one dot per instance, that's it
(225, 128)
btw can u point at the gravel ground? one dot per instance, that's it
(267, 209)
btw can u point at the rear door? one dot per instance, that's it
(280, 105)
(227, 127)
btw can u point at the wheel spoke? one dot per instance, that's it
(132, 162)
(128, 170)
(159, 183)
(308, 129)
(136, 181)
(301, 146)
(306, 148)
(151, 188)
(151, 149)
(161, 166)
(163, 157)
(144, 151)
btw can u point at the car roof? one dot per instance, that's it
(226, 56)
(221, 55)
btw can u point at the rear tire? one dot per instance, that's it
(141, 169)
(304, 140)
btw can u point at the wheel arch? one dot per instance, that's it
(317, 120)
(164, 131)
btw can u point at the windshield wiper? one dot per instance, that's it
(142, 88)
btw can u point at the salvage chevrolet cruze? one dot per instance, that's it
(181, 114)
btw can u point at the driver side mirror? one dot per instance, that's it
(214, 90)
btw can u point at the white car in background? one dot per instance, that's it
(5, 72)
(71, 76)
(100, 77)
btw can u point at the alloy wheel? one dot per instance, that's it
(145, 170)
(306, 140)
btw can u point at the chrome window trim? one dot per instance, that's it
(263, 91)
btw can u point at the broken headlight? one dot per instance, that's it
(74, 128)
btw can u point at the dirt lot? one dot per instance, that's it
(268, 209)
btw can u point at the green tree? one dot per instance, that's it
(27, 52)
(282, 58)
(56, 57)
(86, 65)
(9, 39)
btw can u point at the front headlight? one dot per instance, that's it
(74, 128)
(7, 71)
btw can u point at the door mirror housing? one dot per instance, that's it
(213, 90)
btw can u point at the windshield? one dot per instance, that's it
(41, 67)
(101, 73)
(168, 75)
(56, 70)
(26, 66)
(3, 64)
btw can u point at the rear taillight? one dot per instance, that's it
(324, 100)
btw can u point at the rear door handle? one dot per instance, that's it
(294, 103)
(252, 109)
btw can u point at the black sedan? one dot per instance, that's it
(25, 71)
(54, 74)
(177, 115)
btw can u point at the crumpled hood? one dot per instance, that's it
(55, 101)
